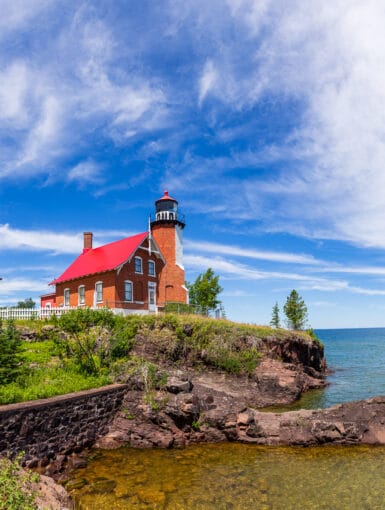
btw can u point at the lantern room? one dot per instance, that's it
(166, 210)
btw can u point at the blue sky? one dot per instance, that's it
(265, 119)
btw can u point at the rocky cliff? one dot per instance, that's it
(199, 403)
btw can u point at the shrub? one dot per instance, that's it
(76, 321)
(10, 352)
(16, 491)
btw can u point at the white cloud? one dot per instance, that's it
(18, 12)
(70, 243)
(13, 87)
(15, 239)
(222, 249)
(326, 63)
(86, 172)
(11, 286)
(207, 80)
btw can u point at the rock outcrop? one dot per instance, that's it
(207, 413)
(202, 406)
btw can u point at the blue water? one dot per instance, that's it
(356, 358)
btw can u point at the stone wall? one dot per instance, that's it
(62, 425)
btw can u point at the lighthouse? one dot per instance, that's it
(167, 231)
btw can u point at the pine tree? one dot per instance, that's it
(275, 321)
(10, 346)
(295, 311)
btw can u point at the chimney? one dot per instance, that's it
(87, 237)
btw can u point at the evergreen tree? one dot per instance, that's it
(10, 346)
(204, 291)
(275, 322)
(295, 311)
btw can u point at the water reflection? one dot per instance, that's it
(234, 476)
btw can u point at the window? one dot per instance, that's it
(82, 295)
(151, 268)
(128, 291)
(138, 265)
(99, 292)
(66, 297)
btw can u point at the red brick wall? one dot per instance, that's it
(113, 284)
(172, 278)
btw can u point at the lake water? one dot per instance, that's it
(235, 476)
(356, 358)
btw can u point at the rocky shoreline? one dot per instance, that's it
(196, 403)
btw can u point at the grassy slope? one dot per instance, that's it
(221, 344)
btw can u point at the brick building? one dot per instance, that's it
(138, 274)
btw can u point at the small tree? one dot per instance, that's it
(26, 303)
(204, 291)
(295, 311)
(275, 322)
(10, 357)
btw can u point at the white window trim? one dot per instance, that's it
(132, 292)
(64, 297)
(84, 295)
(141, 264)
(154, 266)
(96, 292)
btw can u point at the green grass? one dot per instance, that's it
(44, 375)
(233, 347)
(48, 382)
(39, 352)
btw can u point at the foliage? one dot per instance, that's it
(204, 291)
(16, 491)
(181, 308)
(45, 382)
(79, 320)
(275, 321)
(195, 340)
(94, 339)
(10, 352)
(26, 303)
(295, 311)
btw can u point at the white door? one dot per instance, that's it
(152, 297)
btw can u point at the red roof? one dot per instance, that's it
(104, 258)
(166, 196)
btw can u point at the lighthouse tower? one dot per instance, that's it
(167, 231)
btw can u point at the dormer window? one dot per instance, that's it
(138, 265)
(151, 268)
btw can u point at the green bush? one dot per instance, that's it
(16, 491)
(79, 320)
(10, 352)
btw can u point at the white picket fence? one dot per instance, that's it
(33, 313)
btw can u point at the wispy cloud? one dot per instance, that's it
(70, 243)
(17, 239)
(86, 172)
(222, 249)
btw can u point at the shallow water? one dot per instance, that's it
(235, 476)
